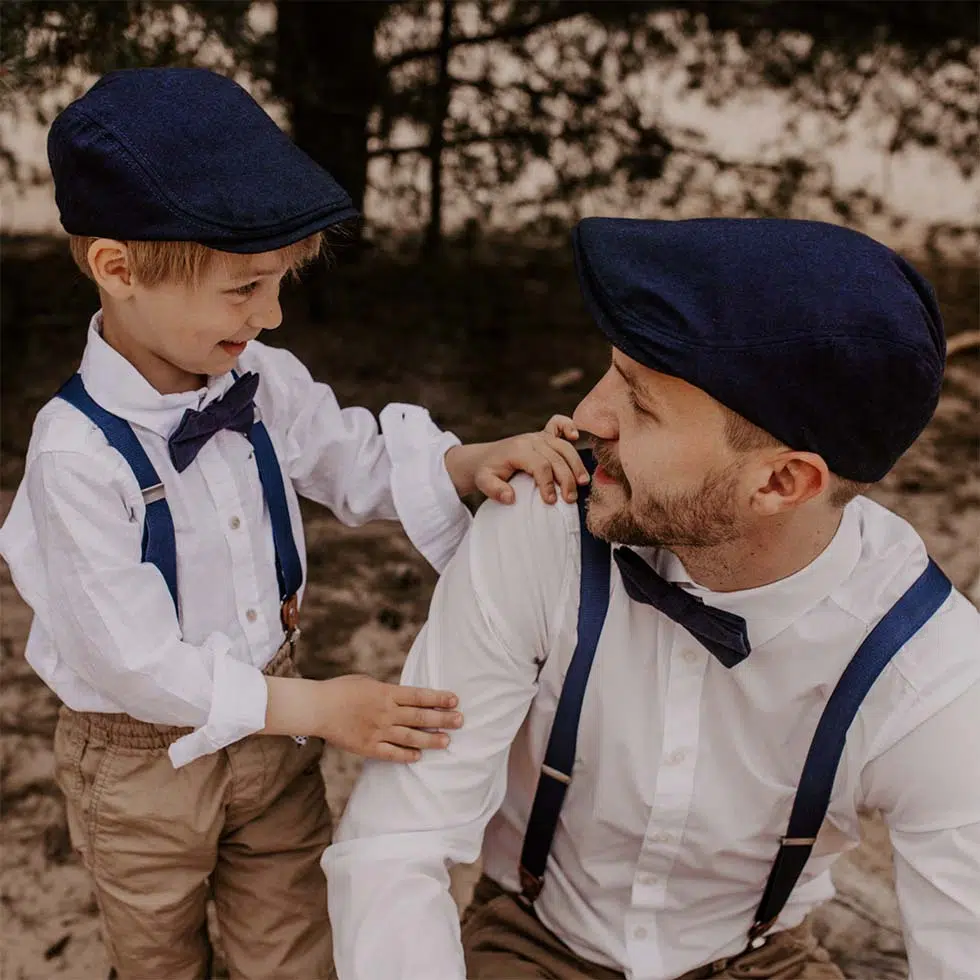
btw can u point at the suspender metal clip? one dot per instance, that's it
(152, 494)
(556, 774)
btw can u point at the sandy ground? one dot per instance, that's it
(366, 600)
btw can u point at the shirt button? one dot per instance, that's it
(661, 837)
(639, 933)
(676, 758)
(251, 615)
(690, 656)
(235, 523)
(647, 879)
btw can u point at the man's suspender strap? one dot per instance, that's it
(559, 758)
(898, 625)
(159, 542)
(893, 631)
(158, 528)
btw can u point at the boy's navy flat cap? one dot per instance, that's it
(184, 154)
(820, 335)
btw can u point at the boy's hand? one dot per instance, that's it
(385, 721)
(362, 715)
(548, 456)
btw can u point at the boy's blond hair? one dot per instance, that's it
(186, 263)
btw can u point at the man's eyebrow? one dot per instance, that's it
(639, 390)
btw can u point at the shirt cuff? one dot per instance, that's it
(428, 506)
(238, 705)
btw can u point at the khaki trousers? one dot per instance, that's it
(504, 941)
(246, 826)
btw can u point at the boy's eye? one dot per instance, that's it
(247, 289)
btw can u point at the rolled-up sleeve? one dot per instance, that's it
(113, 619)
(406, 825)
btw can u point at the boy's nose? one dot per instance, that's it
(268, 319)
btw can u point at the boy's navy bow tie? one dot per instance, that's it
(235, 410)
(723, 633)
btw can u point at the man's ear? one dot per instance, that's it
(793, 479)
(109, 261)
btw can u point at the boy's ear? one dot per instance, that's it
(109, 261)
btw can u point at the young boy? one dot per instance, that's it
(157, 533)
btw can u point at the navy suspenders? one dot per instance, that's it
(159, 544)
(901, 622)
(559, 757)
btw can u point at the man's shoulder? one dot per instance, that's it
(527, 546)
(528, 519)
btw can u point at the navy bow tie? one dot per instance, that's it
(235, 410)
(723, 633)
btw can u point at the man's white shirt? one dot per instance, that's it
(105, 636)
(685, 771)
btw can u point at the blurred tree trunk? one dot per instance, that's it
(437, 135)
(328, 76)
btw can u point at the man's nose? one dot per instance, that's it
(594, 415)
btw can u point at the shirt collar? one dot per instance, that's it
(119, 388)
(771, 608)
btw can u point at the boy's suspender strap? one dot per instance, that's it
(899, 624)
(559, 758)
(159, 542)
(289, 571)
(158, 527)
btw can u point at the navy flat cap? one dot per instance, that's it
(184, 154)
(820, 335)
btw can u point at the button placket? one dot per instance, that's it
(219, 477)
(674, 789)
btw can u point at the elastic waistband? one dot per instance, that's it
(109, 728)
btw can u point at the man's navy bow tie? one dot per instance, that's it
(235, 410)
(723, 633)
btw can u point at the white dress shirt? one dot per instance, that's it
(105, 636)
(685, 771)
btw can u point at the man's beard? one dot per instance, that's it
(702, 518)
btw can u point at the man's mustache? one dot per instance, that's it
(607, 459)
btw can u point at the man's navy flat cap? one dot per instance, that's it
(820, 335)
(184, 154)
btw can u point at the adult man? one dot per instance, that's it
(763, 373)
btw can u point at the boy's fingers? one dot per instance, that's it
(412, 738)
(395, 753)
(491, 486)
(543, 471)
(562, 426)
(424, 697)
(426, 718)
(561, 470)
(571, 456)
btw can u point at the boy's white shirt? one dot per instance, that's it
(105, 636)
